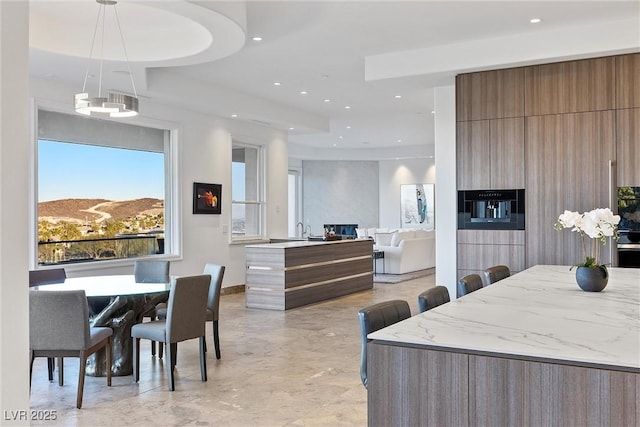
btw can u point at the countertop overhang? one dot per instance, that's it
(538, 314)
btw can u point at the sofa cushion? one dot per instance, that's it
(384, 239)
(401, 235)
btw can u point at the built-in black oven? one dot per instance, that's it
(629, 227)
(491, 209)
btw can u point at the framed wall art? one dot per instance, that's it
(207, 198)
(417, 205)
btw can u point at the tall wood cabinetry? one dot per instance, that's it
(574, 118)
(490, 153)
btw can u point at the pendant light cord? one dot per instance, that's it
(126, 55)
(93, 42)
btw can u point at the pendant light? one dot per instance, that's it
(114, 104)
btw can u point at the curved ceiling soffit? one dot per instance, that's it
(158, 34)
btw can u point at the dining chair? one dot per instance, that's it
(496, 273)
(433, 297)
(59, 327)
(469, 283)
(48, 277)
(375, 317)
(152, 271)
(186, 315)
(216, 272)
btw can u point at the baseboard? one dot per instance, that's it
(228, 290)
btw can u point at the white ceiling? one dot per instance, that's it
(201, 55)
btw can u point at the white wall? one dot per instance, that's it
(446, 194)
(339, 192)
(14, 190)
(393, 174)
(204, 155)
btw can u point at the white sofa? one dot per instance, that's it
(405, 250)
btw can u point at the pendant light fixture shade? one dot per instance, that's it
(114, 104)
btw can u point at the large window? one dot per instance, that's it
(102, 190)
(247, 207)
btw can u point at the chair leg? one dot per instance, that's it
(50, 367)
(169, 366)
(174, 354)
(160, 350)
(153, 348)
(108, 350)
(203, 359)
(32, 356)
(216, 338)
(136, 359)
(81, 371)
(60, 371)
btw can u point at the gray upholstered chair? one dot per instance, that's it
(378, 316)
(186, 315)
(433, 297)
(59, 327)
(148, 271)
(468, 284)
(48, 277)
(213, 304)
(152, 271)
(496, 273)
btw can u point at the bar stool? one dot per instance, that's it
(496, 273)
(433, 297)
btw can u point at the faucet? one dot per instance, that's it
(301, 228)
(307, 231)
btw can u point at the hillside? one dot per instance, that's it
(80, 210)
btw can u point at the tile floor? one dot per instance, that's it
(294, 368)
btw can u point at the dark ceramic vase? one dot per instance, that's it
(592, 279)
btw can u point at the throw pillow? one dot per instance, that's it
(384, 239)
(361, 233)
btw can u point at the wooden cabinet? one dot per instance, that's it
(628, 146)
(490, 95)
(628, 81)
(480, 249)
(567, 168)
(490, 154)
(570, 87)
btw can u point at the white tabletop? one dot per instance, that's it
(540, 313)
(106, 286)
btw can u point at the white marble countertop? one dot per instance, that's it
(540, 313)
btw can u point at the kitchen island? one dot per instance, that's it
(532, 349)
(285, 275)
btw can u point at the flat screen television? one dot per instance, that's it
(344, 230)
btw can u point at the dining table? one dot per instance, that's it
(117, 302)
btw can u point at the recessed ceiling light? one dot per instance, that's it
(234, 115)
(277, 83)
(535, 20)
(347, 107)
(327, 100)
(398, 96)
(340, 137)
(303, 92)
(348, 127)
(291, 128)
(399, 140)
(256, 38)
(433, 111)
(431, 157)
(335, 145)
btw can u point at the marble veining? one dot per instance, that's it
(540, 313)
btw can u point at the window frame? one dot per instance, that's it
(172, 196)
(261, 196)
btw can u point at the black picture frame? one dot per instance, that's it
(207, 198)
